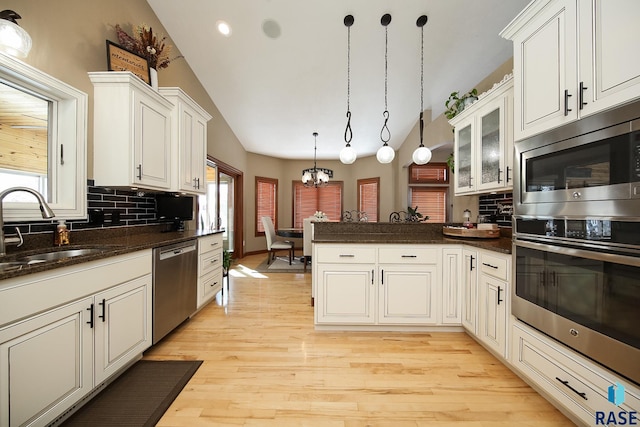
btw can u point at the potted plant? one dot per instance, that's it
(456, 102)
(226, 262)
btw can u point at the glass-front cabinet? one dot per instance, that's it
(483, 145)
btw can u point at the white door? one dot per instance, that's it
(407, 294)
(345, 294)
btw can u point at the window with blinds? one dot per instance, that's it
(431, 173)
(369, 198)
(431, 202)
(266, 202)
(308, 200)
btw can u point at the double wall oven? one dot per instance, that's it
(576, 243)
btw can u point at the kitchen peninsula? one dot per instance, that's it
(409, 277)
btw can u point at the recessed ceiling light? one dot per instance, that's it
(223, 28)
(271, 28)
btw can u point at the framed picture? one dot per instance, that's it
(120, 59)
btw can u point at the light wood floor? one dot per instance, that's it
(265, 365)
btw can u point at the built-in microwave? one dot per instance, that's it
(592, 165)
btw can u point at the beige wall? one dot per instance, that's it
(69, 41)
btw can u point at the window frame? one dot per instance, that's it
(297, 184)
(366, 181)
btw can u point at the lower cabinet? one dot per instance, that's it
(389, 285)
(209, 267)
(573, 382)
(52, 359)
(493, 298)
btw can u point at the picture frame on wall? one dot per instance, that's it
(120, 59)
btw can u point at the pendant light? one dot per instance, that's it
(348, 154)
(385, 154)
(14, 40)
(314, 177)
(422, 155)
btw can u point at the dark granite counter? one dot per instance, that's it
(400, 233)
(110, 242)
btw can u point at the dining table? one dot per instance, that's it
(294, 232)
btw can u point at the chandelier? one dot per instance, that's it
(316, 177)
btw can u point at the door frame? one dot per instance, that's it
(238, 179)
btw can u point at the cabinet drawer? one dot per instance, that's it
(567, 378)
(408, 255)
(494, 266)
(211, 283)
(209, 243)
(209, 262)
(346, 254)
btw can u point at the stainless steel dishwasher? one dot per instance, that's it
(175, 278)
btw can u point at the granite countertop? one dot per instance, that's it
(402, 233)
(110, 242)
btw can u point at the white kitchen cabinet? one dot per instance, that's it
(386, 285)
(73, 326)
(469, 289)
(483, 142)
(571, 59)
(46, 364)
(493, 298)
(209, 267)
(571, 381)
(122, 327)
(189, 141)
(131, 133)
(452, 285)
(345, 284)
(407, 285)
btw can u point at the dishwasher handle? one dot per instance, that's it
(174, 251)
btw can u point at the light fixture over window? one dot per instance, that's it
(14, 40)
(348, 154)
(422, 155)
(314, 177)
(385, 154)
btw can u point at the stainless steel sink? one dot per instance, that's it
(11, 265)
(56, 255)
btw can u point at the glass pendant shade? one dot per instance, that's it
(385, 154)
(14, 40)
(421, 156)
(348, 155)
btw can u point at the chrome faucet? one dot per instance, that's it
(44, 209)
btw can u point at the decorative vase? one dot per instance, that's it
(154, 78)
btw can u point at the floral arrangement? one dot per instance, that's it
(146, 44)
(320, 216)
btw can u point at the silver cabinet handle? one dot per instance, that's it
(347, 256)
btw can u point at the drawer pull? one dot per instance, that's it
(409, 256)
(489, 265)
(347, 256)
(566, 383)
(213, 261)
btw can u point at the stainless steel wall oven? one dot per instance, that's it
(576, 237)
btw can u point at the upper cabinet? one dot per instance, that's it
(43, 139)
(483, 142)
(131, 133)
(571, 59)
(189, 133)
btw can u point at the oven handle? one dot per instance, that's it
(580, 253)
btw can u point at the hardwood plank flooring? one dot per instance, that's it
(265, 365)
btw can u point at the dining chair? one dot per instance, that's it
(273, 244)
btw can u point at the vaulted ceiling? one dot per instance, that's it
(282, 73)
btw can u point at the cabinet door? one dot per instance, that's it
(452, 278)
(545, 66)
(345, 294)
(46, 364)
(199, 155)
(122, 321)
(469, 289)
(491, 139)
(192, 146)
(609, 72)
(407, 294)
(492, 316)
(152, 142)
(464, 155)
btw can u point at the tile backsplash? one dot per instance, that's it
(106, 207)
(500, 205)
